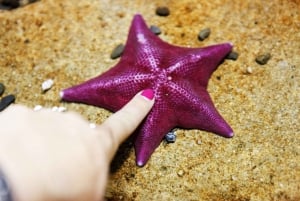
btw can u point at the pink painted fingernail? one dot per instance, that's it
(148, 94)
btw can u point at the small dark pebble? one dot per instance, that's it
(2, 89)
(154, 29)
(11, 3)
(232, 55)
(6, 101)
(170, 137)
(263, 58)
(26, 41)
(203, 34)
(162, 11)
(15, 3)
(117, 52)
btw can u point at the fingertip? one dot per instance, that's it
(148, 94)
(123, 123)
(143, 101)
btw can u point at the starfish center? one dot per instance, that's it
(163, 76)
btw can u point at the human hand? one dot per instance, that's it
(53, 156)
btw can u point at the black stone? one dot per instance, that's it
(232, 56)
(170, 137)
(2, 88)
(11, 3)
(154, 29)
(162, 11)
(6, 101)
(15, 3)
(263, 58)
(117, 52)
(203, 34)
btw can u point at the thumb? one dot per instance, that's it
(121, 124)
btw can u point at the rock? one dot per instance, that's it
(2, 88)
(162, 11)
(154, 29)
(16, 3)
(170, 137)
(232, 55)
(6, 101)
(117, 52)
(203, 34)
(263, 58)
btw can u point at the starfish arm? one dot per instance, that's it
(198, 63)
(156, 125)
(212, 57)
(196, 110)
(112, 85)
(143, 47)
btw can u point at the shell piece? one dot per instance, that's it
(37, 108)
(46, 85)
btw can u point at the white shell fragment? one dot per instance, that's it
(46, 85)
(54, 109)
(58, 109)
(61, 109)
(92, 125)
(249, 70)
(37, 108)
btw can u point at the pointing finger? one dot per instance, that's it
(122, 123)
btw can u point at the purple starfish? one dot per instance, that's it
(178, 76)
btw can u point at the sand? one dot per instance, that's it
(70, 41)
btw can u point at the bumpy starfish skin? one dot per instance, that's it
(178, 76)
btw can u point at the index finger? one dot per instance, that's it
(121, 124)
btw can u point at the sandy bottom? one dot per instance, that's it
(70, 41)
